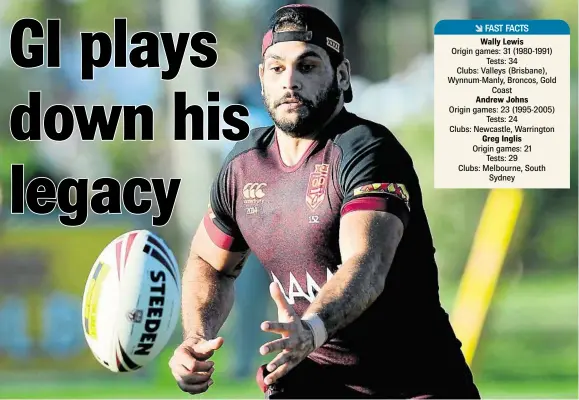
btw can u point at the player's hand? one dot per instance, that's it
(190, 365)
(296, 343)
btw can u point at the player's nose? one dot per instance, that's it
(290, 80)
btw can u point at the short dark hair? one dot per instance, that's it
(288, 19)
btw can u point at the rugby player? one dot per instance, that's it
(331, 206)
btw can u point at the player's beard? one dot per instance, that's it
(311, 116)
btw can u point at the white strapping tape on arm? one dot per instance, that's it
(318, 328)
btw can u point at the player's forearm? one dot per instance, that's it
(354, 287)
(207, 299)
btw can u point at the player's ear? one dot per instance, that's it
(260, 72)
(343, 74)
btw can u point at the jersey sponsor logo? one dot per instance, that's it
(295, 290)
(395, 189)
(253, 192)
(317, 186)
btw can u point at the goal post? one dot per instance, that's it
(483, 268)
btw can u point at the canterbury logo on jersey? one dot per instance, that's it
(254, 190)
(295, 290)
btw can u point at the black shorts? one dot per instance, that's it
(310, 381)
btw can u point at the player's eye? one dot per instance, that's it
(307, 67)
(276, 68)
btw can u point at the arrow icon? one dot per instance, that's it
(478, 28)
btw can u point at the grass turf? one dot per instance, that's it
(528, 350)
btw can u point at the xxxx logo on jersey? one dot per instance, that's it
(395, 189)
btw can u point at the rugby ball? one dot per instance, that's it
(131, 302)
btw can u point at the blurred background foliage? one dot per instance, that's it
(529, 345)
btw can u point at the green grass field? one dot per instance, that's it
(528, 350)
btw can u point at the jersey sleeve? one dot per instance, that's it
(375, 175)
(219, 220)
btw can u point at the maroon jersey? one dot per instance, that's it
(290, 218)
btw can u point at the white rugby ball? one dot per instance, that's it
(131, 302)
